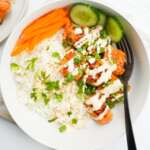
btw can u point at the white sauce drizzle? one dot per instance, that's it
(113, 88)
(78, 31)
(70, 65)
(94, 101)
(106, 75)
(92, 60)
(89, 37)
(102, 115)
(97, 102)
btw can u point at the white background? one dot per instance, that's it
(12, 138)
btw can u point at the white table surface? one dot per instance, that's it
(12, 138)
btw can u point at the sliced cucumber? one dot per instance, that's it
(102, 18)
(83, 15)
(114, 29)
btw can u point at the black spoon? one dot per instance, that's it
(125, 46)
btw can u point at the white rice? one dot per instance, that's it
(25, 81)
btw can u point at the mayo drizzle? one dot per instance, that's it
(97, 102)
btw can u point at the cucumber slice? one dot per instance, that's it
(114, 29)
(83, 15)
(102, 18)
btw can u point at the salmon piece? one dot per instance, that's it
(5, 6)
(120, 58)
(107, 118)
(69, 32)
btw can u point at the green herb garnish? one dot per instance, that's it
(62, 128)
(56, 55)
(45, 97)
(14, 67)
(52, 85)
(52, 120)
(102, 50)
(89, 89)
(112, 104)
(77, 60)
(97, 56)
(31, 63)
(58, 97)
(74, 121)
(103, 34)
(69, 77)
(42, 75)
(35, 94)
(80, 85)
(79, 49)
(107, 83)
(69, 113)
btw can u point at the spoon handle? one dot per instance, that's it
(129, 131)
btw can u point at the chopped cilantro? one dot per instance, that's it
(74, 121)
(62, 128)
(56, 55)
(52, 85)
(14, 67)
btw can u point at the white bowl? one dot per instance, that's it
(93, 136)
(18, 10)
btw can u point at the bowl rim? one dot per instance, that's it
(24, 21)
(8, 32)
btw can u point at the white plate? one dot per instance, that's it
(19, 8)
(93, 137)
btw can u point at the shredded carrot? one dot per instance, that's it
(40, 35)
(40, 29)
(17, 50)
(32, 43)
(45, 20)
(31, 35)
